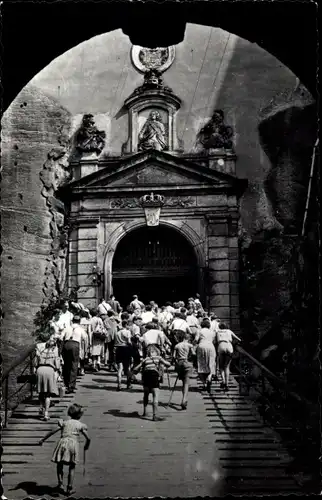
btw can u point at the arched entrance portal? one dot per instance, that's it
(157, 263)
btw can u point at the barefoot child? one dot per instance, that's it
(67, 448)
(150, 377)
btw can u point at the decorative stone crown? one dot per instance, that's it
(152, 200)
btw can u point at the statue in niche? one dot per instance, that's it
(153, 133)
(215, 134)
(89, 139)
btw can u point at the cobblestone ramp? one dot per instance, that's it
(218, 446)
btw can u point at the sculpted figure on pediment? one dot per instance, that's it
(89, 139)
(153, 133)
(215, 134)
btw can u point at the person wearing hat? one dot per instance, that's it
(74, 348)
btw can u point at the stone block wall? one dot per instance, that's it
(81, 264)
(223, 266)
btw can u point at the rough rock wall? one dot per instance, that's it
(34, 155)
(273, 259)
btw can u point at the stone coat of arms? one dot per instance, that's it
(145, 59)
(153, 58)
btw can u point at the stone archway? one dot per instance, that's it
(156, 263)
(188, 234)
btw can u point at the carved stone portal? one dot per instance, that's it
(89, 139)
(215, 134)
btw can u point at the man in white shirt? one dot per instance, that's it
(179, 324)
(148, 315)
(74, 348)
(65, 319)
(152, 336)
(103, 308)
(178, 328)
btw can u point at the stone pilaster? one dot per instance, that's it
(218, 262)
(82, 261)
(233, 255)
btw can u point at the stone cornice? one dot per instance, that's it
(162, 95)
(103, 191)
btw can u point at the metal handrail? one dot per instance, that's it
(296, 420)
(29, 353)
(17, 362)
(271, 376)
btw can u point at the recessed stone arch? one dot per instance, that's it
(114, 238)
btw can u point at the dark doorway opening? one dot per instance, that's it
(156, 263)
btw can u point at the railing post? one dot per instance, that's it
(240, 369)
(263, 392)
(6, 401)
(31, 373)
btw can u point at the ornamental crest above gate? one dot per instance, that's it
(145, 59)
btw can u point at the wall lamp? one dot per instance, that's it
(97, 275)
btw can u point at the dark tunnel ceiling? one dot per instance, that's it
(33, 34)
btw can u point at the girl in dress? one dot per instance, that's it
(67, 448)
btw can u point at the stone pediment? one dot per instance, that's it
(155, 168)
(151, 175)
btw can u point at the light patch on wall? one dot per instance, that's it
(221, 68)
